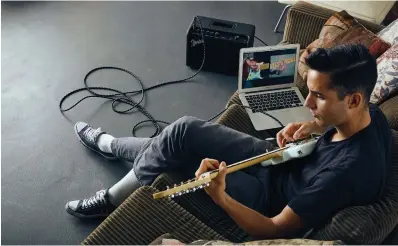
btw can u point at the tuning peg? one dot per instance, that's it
(194, 189)
(167, 187)
(179, 193)
(172, 196)
(207, 184)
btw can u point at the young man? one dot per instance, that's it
(254, 69)
(347, 168)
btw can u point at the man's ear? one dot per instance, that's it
(355, 100)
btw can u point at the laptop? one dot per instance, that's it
(267, 78)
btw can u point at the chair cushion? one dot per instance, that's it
(390, 110)
(374, 11)
(140, 219)
(167, 239)
(342, 28)
(369, 224)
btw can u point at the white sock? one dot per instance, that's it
(123, 189)
(104, 143)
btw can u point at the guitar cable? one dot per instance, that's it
(119, 97)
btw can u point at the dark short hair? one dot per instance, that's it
(352, 68)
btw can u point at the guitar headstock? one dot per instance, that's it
(185, 187)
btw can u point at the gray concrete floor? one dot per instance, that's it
(47, 48)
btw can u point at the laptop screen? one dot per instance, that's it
(267, 68)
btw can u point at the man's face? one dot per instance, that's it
(251, 63)
(323, 101)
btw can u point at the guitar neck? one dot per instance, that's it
(250, 162)
(276, 64)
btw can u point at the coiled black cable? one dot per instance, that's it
(125, 97)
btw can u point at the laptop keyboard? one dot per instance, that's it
(273, 101)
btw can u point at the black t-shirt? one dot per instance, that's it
(336, 175)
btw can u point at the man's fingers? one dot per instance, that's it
(222, 171)
(202, 168)
(288, 135)
(223, 168)
(301, 132)
(213, 162)
(279, 138)
(298, 134)
(205, 165)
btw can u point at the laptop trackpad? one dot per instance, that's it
(286, 116)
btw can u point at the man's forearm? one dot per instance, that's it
(254, 223)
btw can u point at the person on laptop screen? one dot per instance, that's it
(347, 167)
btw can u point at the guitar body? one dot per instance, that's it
(293, 152)
(254, 75)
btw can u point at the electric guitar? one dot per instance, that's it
(293, 150)
(279, 66)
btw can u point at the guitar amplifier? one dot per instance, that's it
(223, 41)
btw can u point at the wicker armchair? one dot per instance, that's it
(140, 219)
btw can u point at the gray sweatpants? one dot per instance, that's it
(183, 144)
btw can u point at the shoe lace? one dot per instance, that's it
(91, 133)
(97, 199)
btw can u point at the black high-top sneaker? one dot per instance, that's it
(88, 136)
(97, 206)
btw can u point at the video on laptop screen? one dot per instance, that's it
(265, 68)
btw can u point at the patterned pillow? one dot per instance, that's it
(167, 239)
(342, 28)
(387, 70)
(390, 33)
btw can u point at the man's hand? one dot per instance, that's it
(297, 130)
(254, 223)
(216, 189)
